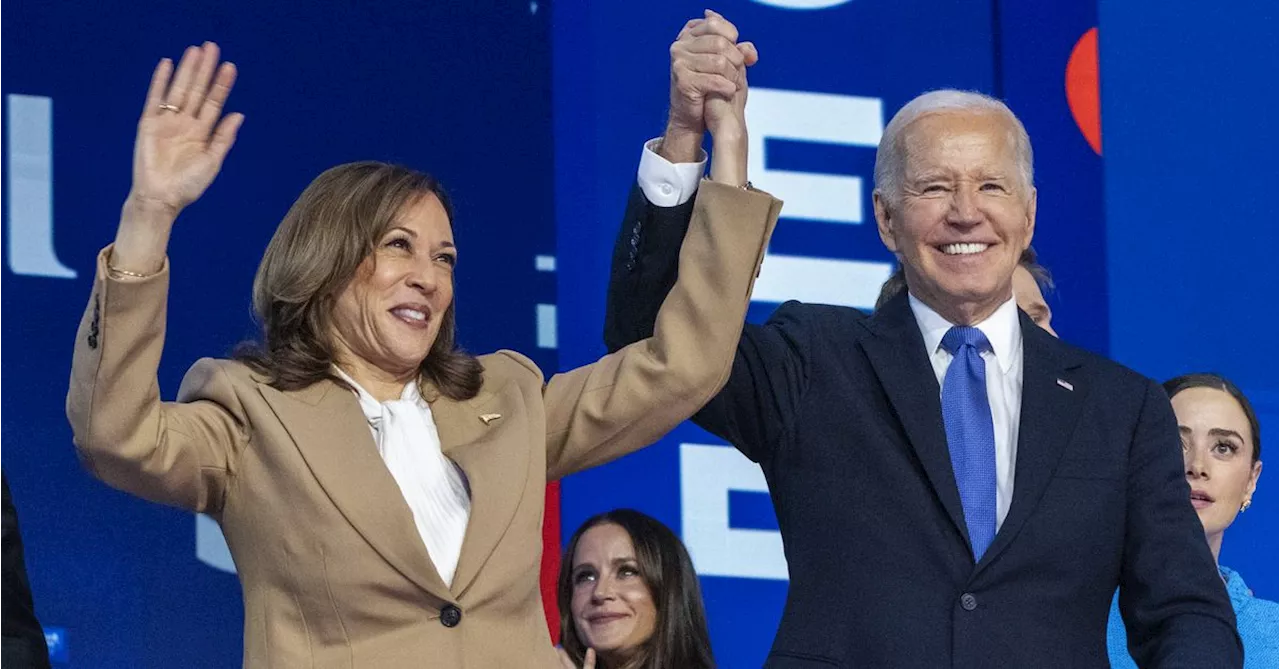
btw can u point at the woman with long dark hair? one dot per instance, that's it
(629, 597)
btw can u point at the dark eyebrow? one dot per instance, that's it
(1224, 432)
(447, 245)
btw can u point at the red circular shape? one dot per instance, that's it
(1082, 89)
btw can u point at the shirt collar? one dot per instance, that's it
(409, 394)
(1001, 328)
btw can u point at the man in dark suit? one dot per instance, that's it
(954, 486)
(23, 639)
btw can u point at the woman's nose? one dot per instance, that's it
(423, 278)
(603, 590)
(1195, 463)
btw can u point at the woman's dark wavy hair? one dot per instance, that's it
(316, 251)
(1218, 382)
(680, 639)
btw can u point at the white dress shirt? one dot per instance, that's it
(668, 184)
(1004, 382)
(432, 485)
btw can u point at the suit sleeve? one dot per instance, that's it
(176, 453)
(1173, 602)
(634, 396)
(768, 370)
(768, 381)
(645, 265)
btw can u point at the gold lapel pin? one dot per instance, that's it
(490, 417)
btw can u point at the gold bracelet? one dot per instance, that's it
(745, 186)
(116, 271)
(125, 272)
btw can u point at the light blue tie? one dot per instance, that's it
(966, 413)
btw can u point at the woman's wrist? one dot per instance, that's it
(142, 239)
(150, 209)
(729, 159)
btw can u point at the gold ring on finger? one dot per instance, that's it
(165, 106)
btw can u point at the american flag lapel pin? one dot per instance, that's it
(1066, 385)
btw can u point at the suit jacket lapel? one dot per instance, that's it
(1050, 411)
(333, 436)
(495, 457)
(897, 353)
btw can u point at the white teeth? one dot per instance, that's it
(963, 249)
(411, 313)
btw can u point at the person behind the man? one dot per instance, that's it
(954, 486)
(24, 645)
(1031, 281)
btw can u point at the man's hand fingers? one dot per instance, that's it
(710, 63)
(709, 44)
(695, 86)
(718, 28)
(684, 32)
(719, 25)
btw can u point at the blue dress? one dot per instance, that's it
(1257, 619)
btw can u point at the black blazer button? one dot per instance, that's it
(450, 616)
(968, 602)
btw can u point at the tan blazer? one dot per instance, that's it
(333, 570)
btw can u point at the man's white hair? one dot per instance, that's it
(891, 155)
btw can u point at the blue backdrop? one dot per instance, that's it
(533, 115)
(1189, 127)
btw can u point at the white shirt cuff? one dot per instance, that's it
(667, 184)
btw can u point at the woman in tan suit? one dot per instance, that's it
(381, 491)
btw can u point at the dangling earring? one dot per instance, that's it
(1245, 507)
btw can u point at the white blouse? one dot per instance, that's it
(432, 485)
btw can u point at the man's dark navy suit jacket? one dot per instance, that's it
(842, 412)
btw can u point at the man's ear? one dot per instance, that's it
(884, 224)
(1031, 215)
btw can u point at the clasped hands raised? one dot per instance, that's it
(709, 94)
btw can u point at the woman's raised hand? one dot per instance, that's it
(182, 140)
(182, 135)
